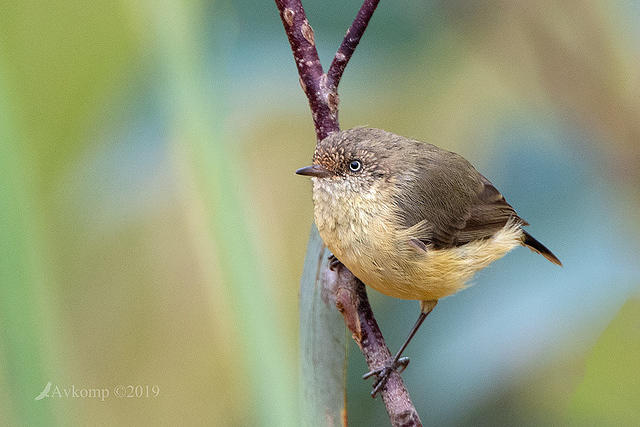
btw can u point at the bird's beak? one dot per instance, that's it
(314, 170)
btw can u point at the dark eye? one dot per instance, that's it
(355, 165)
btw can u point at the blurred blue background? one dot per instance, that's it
(152, 230)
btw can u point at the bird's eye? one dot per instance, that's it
(355, 165)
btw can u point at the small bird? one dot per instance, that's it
(409, 219)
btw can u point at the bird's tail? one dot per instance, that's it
(536, 246)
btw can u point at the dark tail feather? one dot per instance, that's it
(536, 246)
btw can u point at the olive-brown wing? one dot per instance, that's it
(456, 203)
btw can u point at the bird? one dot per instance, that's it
(409, 219)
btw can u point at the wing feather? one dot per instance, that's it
(455, 202)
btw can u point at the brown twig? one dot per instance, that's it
(350, 42)
(322, 101)
(346, 290)
(352, 301)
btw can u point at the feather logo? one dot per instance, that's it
(44, 393)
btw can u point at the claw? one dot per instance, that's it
(381, 381)
(333, 262)
(384, 373)
(369, 374)
(402, 363)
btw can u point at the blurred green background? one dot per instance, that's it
(152, 231)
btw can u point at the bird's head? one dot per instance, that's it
(354, 160)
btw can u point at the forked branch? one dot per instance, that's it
(322, 101)
(347, 292)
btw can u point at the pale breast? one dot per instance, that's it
(359, 230)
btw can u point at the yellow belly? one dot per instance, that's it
(402, 271)
(364, 239)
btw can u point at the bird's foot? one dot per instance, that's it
(382, 374)
(333, 262)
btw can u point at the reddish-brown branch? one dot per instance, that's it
(351, 300)
(346, 290)
(350, 42)
(322, 101)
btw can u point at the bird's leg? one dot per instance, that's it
(396, 363)
(399, 363)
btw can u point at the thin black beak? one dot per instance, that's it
(314, 170)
